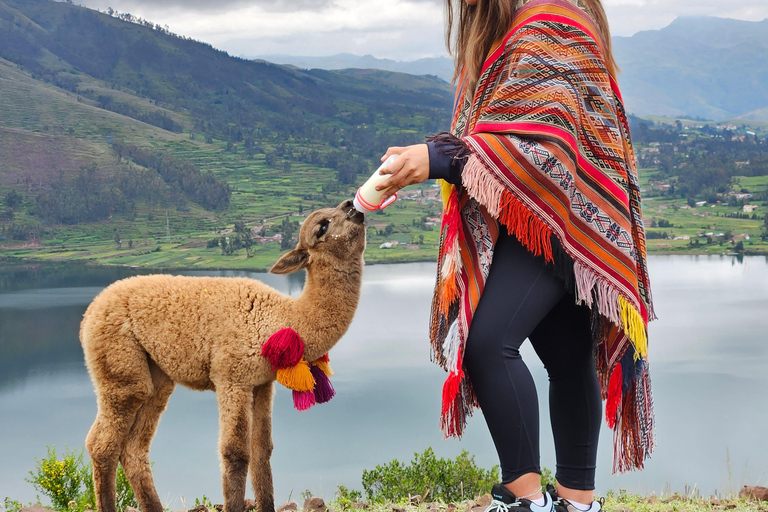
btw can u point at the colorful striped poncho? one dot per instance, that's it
(551, 160)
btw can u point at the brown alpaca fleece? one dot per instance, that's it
(142, 335)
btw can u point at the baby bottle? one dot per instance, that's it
(368, 199)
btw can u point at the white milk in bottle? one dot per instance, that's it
(368, 199)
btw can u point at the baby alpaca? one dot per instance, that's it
(142, 335)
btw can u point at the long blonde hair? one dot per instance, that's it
(471, 30)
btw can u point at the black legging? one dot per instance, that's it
(522, 299)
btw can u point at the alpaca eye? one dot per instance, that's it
(323, 228)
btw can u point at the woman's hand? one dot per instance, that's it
(412, 166)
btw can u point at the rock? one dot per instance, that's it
(199, 508)
(483, 501)
(653, 499)
(316, 504)
(478, 509)
(35, 508)
(288, 505)
(434, 506)
(360, 505)
(217, 506)
(754, 493)
(398, 509)
(416, 499)
(452, 507)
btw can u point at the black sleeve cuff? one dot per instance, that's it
(440, 164)
(447, 156)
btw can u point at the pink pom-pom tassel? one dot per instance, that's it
(283, 349)
(323, 389)
(303, 400)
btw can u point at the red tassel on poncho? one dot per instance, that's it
(614, 396)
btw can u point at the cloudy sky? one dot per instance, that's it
(396, 29)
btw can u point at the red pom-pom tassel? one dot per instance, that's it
(323, 389)
(614, 396)
(283, 349)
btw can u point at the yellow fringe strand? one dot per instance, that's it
(634, 326)
(297, 378)
(445, 191)
(324, 367)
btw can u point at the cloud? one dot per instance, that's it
(398, 29)
(205, 6)
(630, 16)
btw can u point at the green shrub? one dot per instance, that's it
(68, 482)
(547, 478)
(445, 479)
(346, 497)
(10, 505)
(62, 480)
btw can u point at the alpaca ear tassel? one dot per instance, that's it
(323, 389)
(283, 349)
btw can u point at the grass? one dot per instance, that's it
(614, 502)
(621, 502)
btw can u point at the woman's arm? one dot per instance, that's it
(442, 157)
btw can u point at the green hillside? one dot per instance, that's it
(123, 144)
(75, 85)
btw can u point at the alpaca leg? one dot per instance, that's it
(106, 438)
(261, 447)
(234, 443)
(135, 456)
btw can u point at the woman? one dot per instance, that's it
(542, 238)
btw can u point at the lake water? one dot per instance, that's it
(709, 363)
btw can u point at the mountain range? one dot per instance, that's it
(706, 67)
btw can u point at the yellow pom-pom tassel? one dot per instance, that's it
(297, 378)
(634, 326)
(324, 366)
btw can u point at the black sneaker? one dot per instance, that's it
(505, 501)
(563, 505)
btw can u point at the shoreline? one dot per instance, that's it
(7, 260)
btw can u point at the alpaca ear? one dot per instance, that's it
(291, 261)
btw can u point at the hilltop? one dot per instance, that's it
(712, 68)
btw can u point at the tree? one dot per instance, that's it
(118, 241)
(287, 230)
(12, 199)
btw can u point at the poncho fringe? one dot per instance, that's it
(530, 174)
